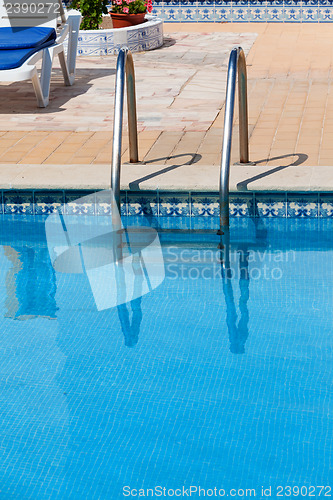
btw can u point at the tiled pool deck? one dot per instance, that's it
(181, 91)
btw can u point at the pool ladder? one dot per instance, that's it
(237, 65)
(125, 71)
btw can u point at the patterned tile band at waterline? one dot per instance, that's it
(169, 204)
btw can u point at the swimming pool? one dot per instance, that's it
(204, 382)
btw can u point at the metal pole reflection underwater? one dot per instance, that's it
(131, 330)
(238, 334)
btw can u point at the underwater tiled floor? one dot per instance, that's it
(204, 381)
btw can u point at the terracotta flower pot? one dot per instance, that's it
(126, 20)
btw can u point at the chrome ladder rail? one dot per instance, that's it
(125, 70)
(237, 64)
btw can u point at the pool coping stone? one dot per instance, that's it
(174, 178)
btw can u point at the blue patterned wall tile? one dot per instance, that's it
(326, 205)
(241, 205)
(325, 14)
(142, 204)
(240, 14)
(310, 14)
(274, 14)
(292, 14)
(158, 11)
(177, 204)
(75, 206)
(171, 14)
(48, 202)
(205, 204)
(257, 14)
(170, 204)
(274, 205)
(302, 206)
(18, 202)
(103, 203)
(188, 14)
(206, 14)
(223, 14)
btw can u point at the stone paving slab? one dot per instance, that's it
(179, 87)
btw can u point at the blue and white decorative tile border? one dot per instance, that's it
(238, 11)
(139, 38)
(169, 204)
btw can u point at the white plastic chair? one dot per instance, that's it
(65, 24)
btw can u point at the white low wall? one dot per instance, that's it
(146, 36)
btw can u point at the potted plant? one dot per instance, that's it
(92, 12)
(126, 13)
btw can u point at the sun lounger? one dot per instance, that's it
(39, 34)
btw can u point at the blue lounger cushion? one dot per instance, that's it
(18, 44)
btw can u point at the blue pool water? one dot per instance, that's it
(205, 381)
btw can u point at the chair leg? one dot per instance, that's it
(45, 77)
(73, 35)
(42, 99)
(64, 68)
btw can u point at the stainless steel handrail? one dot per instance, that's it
(125, 68)
(237, 64)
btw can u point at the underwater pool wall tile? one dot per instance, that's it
(142, 204)
(175, 205)
(205, 205)
(241, 205)
(302, 206)
(271, 205)
(18, 202)
(103, 203)
(48, 202)
(326, 205)
(74, 205)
